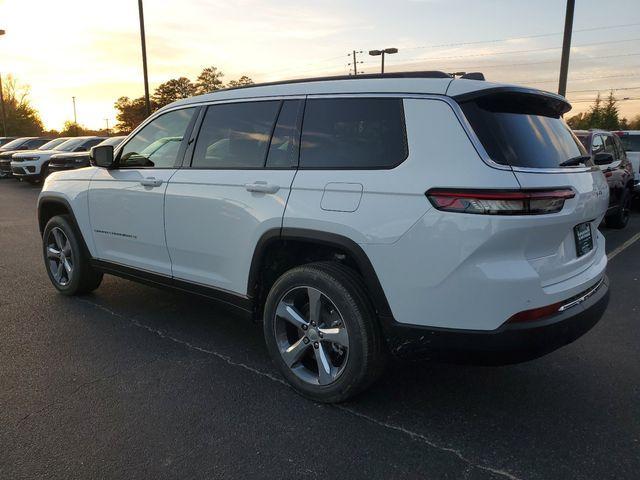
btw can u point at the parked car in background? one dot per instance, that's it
(32, 166)
(73, 160)
(631, 143)
(355, 216)
(607, 152)
(14, 146)
(5, 140)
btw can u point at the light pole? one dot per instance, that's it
(4, 118)
(375, 53)
(75, 118)
(107, 120)
(566, 48)
(143, 42)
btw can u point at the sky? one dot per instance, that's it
(90, 49)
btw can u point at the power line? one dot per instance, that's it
(619, 100)
(601, 89)
(526, 37)
(526, 51)
(501, 65)
(580, 78)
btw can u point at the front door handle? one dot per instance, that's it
(261, 187)
(151, 182)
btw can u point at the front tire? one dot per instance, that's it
(66, 261)
(321, 332)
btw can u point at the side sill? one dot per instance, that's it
(156, 280)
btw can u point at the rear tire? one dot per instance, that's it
(66, 259)
(338, 352)
(620, 219)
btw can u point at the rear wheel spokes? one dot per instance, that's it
(307, 320)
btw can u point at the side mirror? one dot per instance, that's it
(603, 158)
(101, 156)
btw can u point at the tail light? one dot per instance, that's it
(500, 202)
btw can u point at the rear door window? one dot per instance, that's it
(522, 130)
(610, 147)
(235, 135)
(353, 133)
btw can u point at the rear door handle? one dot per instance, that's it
(151, 182)
(261, 187)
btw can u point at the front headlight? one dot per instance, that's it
(29, 159)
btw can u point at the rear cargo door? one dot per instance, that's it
(525, 131)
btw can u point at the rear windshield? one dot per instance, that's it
(631, 143)
(522, 131)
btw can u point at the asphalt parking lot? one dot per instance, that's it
(135, 382)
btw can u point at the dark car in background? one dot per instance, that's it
(73, 160)
(14, 146)
(608, 153)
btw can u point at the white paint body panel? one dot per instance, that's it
(213, 223)
(127, 218)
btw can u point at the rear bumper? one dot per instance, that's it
(511, 343)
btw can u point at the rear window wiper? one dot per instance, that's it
(573, 161)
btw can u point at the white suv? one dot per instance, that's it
(32, 165)
(410, 214)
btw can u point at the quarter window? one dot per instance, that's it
(235, 135)
(158, 143)
(353, 133)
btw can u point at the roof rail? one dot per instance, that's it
(421, 74)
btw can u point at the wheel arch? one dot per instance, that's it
(50, 206)
(280, 238)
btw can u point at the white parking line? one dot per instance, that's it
(624, 246)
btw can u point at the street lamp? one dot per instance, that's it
(375, 53)
(4, 118)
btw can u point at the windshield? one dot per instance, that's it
(51, 144)
(115, 141)
(71, 144)
(522, 131)
(631, 143)
(14, 143)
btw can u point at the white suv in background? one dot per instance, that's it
(32, 165)
(410, 214)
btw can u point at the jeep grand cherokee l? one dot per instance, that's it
(410, 214)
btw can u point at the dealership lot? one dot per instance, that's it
(143, 383)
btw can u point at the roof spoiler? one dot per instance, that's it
(556, 103)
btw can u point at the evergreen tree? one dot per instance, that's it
(209, 80)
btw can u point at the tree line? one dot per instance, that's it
(132, 111)
(22, 119)
(604, 115)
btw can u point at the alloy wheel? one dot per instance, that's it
(311, 335)
(59, 256)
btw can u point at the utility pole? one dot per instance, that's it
(107, 120)
(75, 118)
(355, 61)
(4, 117)
(143, 42)
(566, 47)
